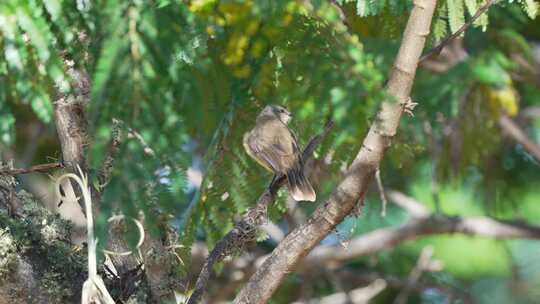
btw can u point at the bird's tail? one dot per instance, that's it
(299, 186)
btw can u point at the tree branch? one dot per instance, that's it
(409, 204)
(531, 112)
(245, 230)
(518, 135)
(36, 168)
(387, 238)
(342, 16)
(353, 187)
(437, 50)
(422, 223)
(71, 125)
(425, 263)
(361, 295)
(105, 172)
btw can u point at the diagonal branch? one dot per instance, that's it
(425, 263)
(437, 50)
(518, 135)
(387, 238)
(353, 187)
(245, 230)
(419, 226)
(342, 16)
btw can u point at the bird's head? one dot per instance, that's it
(275, 111)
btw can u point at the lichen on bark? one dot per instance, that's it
(38, 263)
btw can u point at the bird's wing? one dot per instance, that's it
(278, 150)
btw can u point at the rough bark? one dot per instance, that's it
(70, 120)
(353, 187)
(37, 261)
(422, 223)
(71, 125)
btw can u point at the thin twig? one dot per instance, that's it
(424, 264)
(245, 230)
(36, 168)
(146, 148)
(435, 152)
(342, 16)
(382, 194)
(437, 50)
(105, 172)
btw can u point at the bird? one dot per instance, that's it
(274, 146)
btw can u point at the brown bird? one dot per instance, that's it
(273, 145)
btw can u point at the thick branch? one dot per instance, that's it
(421, 224)
(70, 120)
(39, 273)
(299, 242)
(414, 208)
(71, 124)
(245, 230)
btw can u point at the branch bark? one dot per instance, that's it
(422, 223)
(35, 168)
(33, 264)
(419, 226)
(514, 131)
(353, 187)
(71, 125)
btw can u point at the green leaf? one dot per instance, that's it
(440, 29)
(54, 7)
(472, 7)
(42, 106)
(7, 128)
(456, 14)
(491, 73)
(369, 7)
(530, 7)
(36, 32)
